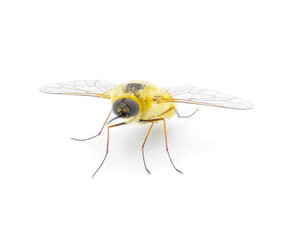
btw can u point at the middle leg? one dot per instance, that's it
(166, 143)
(152, 122)
(187, 116)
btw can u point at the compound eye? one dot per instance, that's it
(126, 107)
(133, 106)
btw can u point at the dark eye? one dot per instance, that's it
(126, 107)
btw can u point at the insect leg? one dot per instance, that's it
(187, 116)
(166, 144)
(168, 110)
(76, 139)
(152, 122)
(107, 150)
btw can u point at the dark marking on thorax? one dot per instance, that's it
(134, 87)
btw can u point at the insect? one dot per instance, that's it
(144, 103)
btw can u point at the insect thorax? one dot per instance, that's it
(134, 87)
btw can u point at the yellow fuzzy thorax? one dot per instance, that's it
(146, 99)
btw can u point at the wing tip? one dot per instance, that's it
(50, 88)
(43, 89)
(248, 106)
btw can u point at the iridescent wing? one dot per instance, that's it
(94, 88)
(195, 95)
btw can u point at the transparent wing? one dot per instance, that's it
(195, 95)
(94, 88)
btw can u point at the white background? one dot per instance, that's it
(233, 161)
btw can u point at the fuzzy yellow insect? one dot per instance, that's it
(146, 96)
(143, 102)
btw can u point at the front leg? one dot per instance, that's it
(76, 139)
(107, 149)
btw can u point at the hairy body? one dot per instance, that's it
(146, 95)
